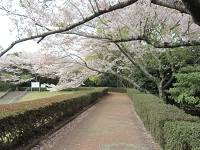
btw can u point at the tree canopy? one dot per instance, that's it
(137, 41)
(41, 19)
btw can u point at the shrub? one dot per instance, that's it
(6, 85)
(182, 135)
(23, 121)
(155, 114)
(121, 90)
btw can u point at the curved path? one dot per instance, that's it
(111, 124)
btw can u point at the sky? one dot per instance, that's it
(6, 39)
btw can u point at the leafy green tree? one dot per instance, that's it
(104, 80)
(186, 90)
(7, 85)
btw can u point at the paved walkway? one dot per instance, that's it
(12, 97)
(112, 124)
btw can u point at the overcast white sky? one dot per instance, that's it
(6, 39)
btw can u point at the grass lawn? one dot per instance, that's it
(37, 95)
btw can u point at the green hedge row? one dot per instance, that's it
(171, 127)
(114, 89)
(24, 121)
(182, 135)
(123, 90)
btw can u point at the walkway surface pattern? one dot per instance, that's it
(111, 124)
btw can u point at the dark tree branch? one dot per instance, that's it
(173, 4)
(132, 81)
(145, 38)
(193, 6)
(138, 65)
(40, 40)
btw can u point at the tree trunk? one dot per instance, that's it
(160, 89)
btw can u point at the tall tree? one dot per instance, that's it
(115, 37)
(26, 66)
(33, 19)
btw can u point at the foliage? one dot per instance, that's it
(186, 90)
(105, 29)
(22, 122)
(94, 79)
(26, 76)
(102, 38)
(104, 80)
(6, 85)
(185, 56)
(182, 135)
(121, 90)
(144, 82)
(159, 117)
(26, 18)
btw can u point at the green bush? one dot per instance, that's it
(123, 90)
(6, 85)
(23, 121)
(115, 89)
(155, 113)
(182, 135)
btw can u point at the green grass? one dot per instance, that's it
(37, 95)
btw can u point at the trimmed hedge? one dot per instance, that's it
(120, 90)
(123, 90)
(182, 135)
(162, 120)
(21, 122)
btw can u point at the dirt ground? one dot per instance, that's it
(111, 124)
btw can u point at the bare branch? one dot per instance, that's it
(42, 26)
(146, 38)
(97, 4)
(92, 6)
(77, 9)
(42, 38)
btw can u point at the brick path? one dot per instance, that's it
(112, 124)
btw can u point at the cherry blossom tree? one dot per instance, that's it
(105, 36)
(34, 19)
(25, 66)
(22, 67)
(112, 44)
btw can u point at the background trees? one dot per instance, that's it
(23, 67)
(186, 90)
(138, 41)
